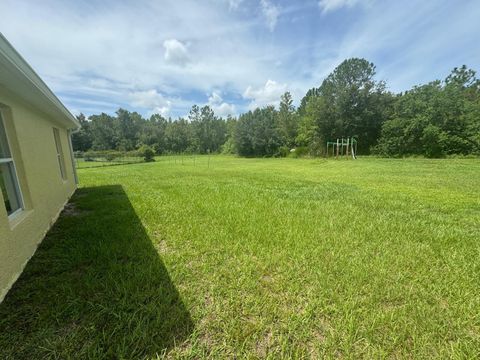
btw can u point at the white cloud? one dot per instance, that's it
(164, 111)
(152, 100)
(270, 12)
(233, 4)
(176, 52)
(269, 94)
(332, 5)
(220, 107)
(94, 64)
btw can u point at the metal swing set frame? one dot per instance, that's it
(343, 147)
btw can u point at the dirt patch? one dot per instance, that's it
(161, 246)
(71, 209)
(263, 344)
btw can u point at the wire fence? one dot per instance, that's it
(82, 163)
(103, 159)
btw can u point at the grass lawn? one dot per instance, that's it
(257, 258)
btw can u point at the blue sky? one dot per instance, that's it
(165, 56)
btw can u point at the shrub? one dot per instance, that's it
(228, 147)
(283, 151)
(433, 140)
(111, 155)
(89, 156)
(147, 153)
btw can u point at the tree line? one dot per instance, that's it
(434, 120)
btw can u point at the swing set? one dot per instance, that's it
(343, 147)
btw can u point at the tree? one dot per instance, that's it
(256, 133)
(152, 133)
(317, 125)
(349, 102)
(103, 133)
(127, 125)
(287, 121)
(435, 119)
(313, 92)
(178, 136)
(82, 139)
(209, 132)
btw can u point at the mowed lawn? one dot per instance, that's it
(257, 258)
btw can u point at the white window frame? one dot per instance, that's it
(60, 155)
(10, 160)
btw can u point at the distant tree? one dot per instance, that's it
(313, 92)
(317, 125)
(355, 103)
(127, 126)
(103, 132)
(82, 139)
(209, 132)
(287, 121)
(435, 119)
(179, 137)
(256, 133)
(152, 133)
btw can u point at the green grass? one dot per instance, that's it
(257, 258)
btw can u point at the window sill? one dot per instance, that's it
(17, 217)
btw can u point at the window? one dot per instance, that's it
(8, 176)
(61, 160)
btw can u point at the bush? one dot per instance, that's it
(111, 155)
(228, 147)
(283, 151)
(89, 156)
(147, 152)
(433, 141)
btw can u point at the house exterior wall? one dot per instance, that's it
(31, 139)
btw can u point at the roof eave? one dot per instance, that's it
(17, 62)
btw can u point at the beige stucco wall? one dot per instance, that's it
(44, 191)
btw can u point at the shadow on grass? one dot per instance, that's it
(96, 288)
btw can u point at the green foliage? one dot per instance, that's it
(313, 92)
(107, 155)
(229, 147)
(436, 119)
(256, 133)
(283, 151)
(348, 103)
(433, 140)
(82, 139)
(299, 151)
(287, 121)
(89, 156)
(147, 152)
(127, 131)
(441, 118)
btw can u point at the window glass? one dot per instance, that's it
(9, 188)
(4, 150)
(8, 177)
